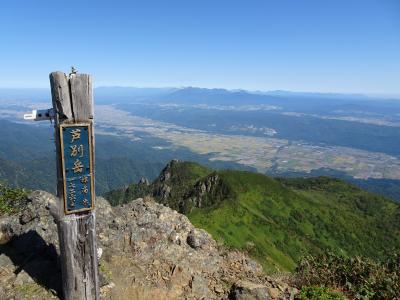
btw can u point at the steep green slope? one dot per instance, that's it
(278, 220)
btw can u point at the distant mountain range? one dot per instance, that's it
(124, 92)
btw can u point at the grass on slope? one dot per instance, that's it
(280, 221)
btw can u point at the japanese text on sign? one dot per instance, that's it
(77, 167)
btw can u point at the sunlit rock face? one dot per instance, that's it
(146, 250)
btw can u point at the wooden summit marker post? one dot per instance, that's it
(76, 221)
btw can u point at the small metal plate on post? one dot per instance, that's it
(77, 167)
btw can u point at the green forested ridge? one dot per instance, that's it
(383, 186)
(278, 220)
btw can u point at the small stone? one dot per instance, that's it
(5, 261)
(107, 288)
(99, 253)
(23, 278)
(245, 290)
(114, 225)
(199, 287)
(274, 293)
(156, 262)
(174, 238)
(53, 292)
(26, 217)
(195, 239)
(6, 233)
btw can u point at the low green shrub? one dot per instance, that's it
(360, 277)
(319, 293)
(12, 200)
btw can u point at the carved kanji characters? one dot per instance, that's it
(78, 166)
(71, 194)
(85, 189)
(84, 179)
(75, 135)
(75, 150)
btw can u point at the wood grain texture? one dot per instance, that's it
(73, 103)
(81, 97)
(60, 95)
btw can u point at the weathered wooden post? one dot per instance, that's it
(75, 215)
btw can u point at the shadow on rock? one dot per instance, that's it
(30, 253)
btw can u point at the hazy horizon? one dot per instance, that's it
(341, 46)
(272, 91)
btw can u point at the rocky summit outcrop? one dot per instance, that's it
(148, 251)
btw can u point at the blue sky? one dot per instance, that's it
(324, 46)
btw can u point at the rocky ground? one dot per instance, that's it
(148, 251)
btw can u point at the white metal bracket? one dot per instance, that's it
(40, 115)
